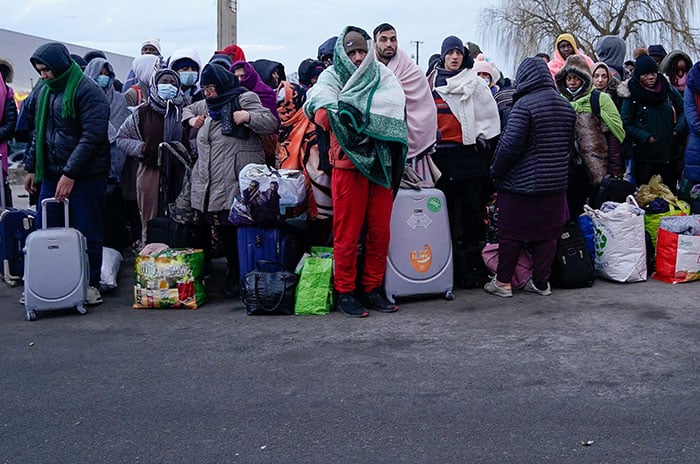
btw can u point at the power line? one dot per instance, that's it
(417, 42)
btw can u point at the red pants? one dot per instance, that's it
(357, 201)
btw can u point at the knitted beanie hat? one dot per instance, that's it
(644, 65)
(151, 41)
(483, 66)
(657, 50)
(451, 43)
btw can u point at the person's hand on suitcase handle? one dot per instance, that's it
(64, 188)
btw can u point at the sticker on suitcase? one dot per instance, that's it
(434, 204)
(421, 259)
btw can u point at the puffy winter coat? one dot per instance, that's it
(221, 157)
(692, 116)
(9, 117)
(532, 155)
(643, 120)
(76, 147)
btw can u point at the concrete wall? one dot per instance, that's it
(17, 48)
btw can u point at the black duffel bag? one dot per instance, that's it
(269, 292)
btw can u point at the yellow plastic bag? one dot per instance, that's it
(654, 189)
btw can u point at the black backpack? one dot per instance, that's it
(573, 266)
(612, 189)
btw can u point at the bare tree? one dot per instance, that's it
(524, 27)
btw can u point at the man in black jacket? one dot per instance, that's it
(69, 153)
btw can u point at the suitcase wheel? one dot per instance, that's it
(81, 309)
(449, 296)
(31, 315)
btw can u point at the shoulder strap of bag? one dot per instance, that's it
(259, 299)
(595, 102)
(176, 154)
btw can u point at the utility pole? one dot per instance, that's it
(417, 42)
(226, 23)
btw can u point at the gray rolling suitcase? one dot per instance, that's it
(420, 249)
(56, 272)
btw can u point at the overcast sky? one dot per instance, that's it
(287, 32)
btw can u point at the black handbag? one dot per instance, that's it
(269, 292)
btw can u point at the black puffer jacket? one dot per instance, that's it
(9, 118)
(533, 152)
(75, 147)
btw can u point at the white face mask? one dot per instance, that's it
(487, 80)
(573, 93)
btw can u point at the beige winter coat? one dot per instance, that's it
(222, 157)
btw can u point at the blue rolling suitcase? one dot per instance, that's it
(56, 267)
(15, 225)
(266, 244)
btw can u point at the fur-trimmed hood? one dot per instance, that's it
(665, 65)
(623, 90)
(577, 66)
(10, 69)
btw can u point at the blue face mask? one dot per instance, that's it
(188, 78)
(102, 80)
(167, 91)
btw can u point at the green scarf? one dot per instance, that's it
(68, 84)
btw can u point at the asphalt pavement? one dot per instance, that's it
(607, 374)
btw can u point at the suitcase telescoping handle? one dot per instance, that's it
(45, 202)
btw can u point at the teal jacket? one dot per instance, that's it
(642, 120)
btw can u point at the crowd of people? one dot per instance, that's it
(354, 120)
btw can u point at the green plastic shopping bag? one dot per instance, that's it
(315, 289)
(651, 221)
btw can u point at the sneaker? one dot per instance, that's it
(348, 305)
(494, 289)
(231, 288)
(376, 300)
(21, 299)
(93, 296)
(531, 287)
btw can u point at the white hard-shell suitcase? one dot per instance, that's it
(57, 270)
(420, 249)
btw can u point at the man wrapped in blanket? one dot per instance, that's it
(362, 105)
